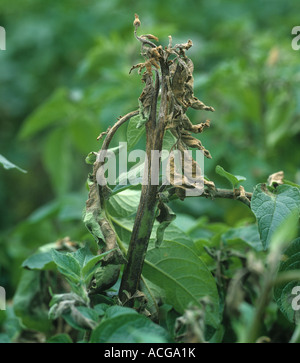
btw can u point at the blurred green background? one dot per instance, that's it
(64, 79)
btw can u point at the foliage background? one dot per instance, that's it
(64, 79)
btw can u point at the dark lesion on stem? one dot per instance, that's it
(173, 79)
(168, 78)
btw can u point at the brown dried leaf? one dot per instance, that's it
(137, 21)
(276, 178)
(150, 36)
(194, 143)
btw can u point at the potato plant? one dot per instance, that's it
(142, 279)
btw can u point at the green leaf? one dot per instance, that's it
(291, 183)
(125, 180)
(184, 278)
(101, 309)
(79, 265)
(39, 261)
(58, 160)
(124, 204)
(90, 266)
(29, 301)
(134, 133)
(90, 219)
(233, 179)
(169, 141)
(42, 259)
(60, 338)
(8, 165)
(116, 310)
(91, 158)
(283, 293)
(128, 327)
(55, 110)
(67, 265)
(272, 208)
(248, 234)
(81, 318)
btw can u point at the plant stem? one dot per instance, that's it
(148, 202)
(228, 194)
(296, 335)
(263, 302)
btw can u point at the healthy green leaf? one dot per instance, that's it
(56, 109)
(114, 311)
(129, 328)
(90, 266)
(39, 261)
(271, 208)
(291, 183)
(91, 158)
(67, 265)
(134, 133)
(58, 160)
(169, 141)
(248, 234)
(233, 179)
(124, 204)
(184, 278)
(130, 178)
(60, 338)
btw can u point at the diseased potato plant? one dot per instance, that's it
(143, 279)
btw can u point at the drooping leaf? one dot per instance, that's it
(92, 214)
(81, 318)
(30, 300)
(272, 207)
